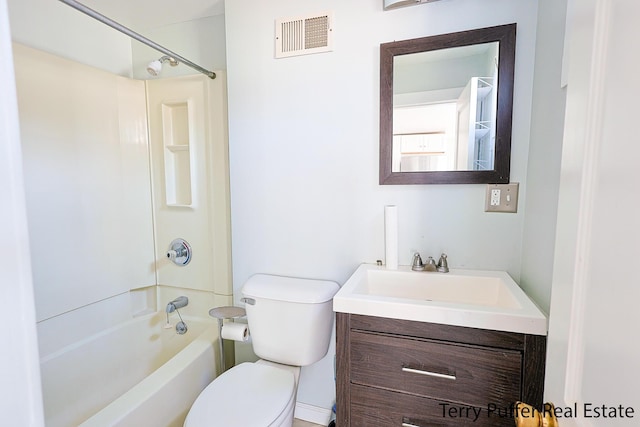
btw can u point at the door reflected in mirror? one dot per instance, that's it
(445, 107)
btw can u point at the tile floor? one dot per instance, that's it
(300, 423)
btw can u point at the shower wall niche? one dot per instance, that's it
(189, 162)
(177, 153)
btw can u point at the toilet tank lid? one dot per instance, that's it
(290, 289)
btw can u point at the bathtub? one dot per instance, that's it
(135, 374)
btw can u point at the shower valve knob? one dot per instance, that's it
(179, 252)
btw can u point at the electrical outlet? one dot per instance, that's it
(502, 198)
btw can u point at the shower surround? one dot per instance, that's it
(100, 224)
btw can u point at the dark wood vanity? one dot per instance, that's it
(405, 373)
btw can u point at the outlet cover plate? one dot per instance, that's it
(502, 198)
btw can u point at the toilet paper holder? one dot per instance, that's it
(222, 314)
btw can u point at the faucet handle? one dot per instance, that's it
(443, 265)
(417, 263)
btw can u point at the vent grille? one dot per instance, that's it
(305, 35)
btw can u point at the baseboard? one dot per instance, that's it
(313, 414)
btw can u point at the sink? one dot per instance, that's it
(472, 298)
(472, 287)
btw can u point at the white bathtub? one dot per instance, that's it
(136, 374)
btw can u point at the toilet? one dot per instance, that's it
(290, 321)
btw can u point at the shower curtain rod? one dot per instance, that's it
(116, 26)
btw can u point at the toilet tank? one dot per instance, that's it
(290, 319)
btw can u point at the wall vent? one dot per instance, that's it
(304, 35)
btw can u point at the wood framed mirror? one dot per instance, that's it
(445, 108)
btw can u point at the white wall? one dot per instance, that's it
(545, 152)
(201, 41)
(304, 150)
(593, 350)
(54, 27)
(20, 395)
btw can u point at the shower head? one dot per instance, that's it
(155, 67)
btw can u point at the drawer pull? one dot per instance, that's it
(409, 425)
(428, 373)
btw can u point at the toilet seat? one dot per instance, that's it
(247, 395)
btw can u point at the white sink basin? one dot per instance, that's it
(471, 298)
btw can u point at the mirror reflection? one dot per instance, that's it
(444, 109)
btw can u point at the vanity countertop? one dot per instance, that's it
(471, 298)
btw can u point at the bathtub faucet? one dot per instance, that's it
(177, 303)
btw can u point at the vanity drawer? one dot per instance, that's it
(457, 373)
(372, 407)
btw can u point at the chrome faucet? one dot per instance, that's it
(177, 303)
(442, 265)
(181, 327)
(430, 265)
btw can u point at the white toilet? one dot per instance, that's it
(290, 321)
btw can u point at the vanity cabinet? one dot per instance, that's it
(405, 373)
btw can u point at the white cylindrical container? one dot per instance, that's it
(235, 332)
(391, 236)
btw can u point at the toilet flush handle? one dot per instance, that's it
(249, 301)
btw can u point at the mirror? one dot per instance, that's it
(445, 108)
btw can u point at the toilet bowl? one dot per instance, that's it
(256, 394)
(290, 321)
